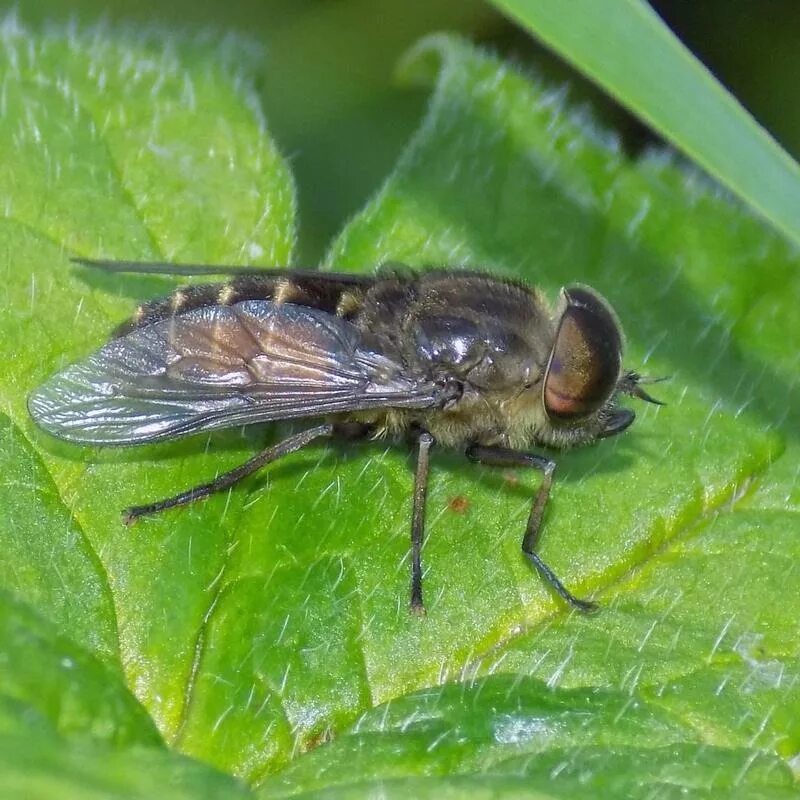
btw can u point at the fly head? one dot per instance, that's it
(584, 373)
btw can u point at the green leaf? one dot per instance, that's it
(50, 684)
(44, 767)
(624, 47)
(501, 175)
(123, 144)
(257, 625)
(71, 728)
(511, 736)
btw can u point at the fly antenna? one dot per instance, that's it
(631, 384)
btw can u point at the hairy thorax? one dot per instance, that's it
(477, 417)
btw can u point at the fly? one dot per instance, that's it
(455, 358)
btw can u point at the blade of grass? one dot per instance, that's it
(623, 46)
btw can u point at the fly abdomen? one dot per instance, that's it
(322, 293)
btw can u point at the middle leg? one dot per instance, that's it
(424, 443)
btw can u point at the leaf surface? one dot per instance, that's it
(258, 625)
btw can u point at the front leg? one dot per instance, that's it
(503, 457)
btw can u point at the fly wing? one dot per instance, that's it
(220, 367)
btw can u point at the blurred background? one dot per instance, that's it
(337, 113)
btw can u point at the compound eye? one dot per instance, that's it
(585, 364)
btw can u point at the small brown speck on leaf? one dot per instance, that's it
(458, 504)
(314, 741)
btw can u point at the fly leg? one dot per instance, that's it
(503, 457)
(228, 479)
(424, 443)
